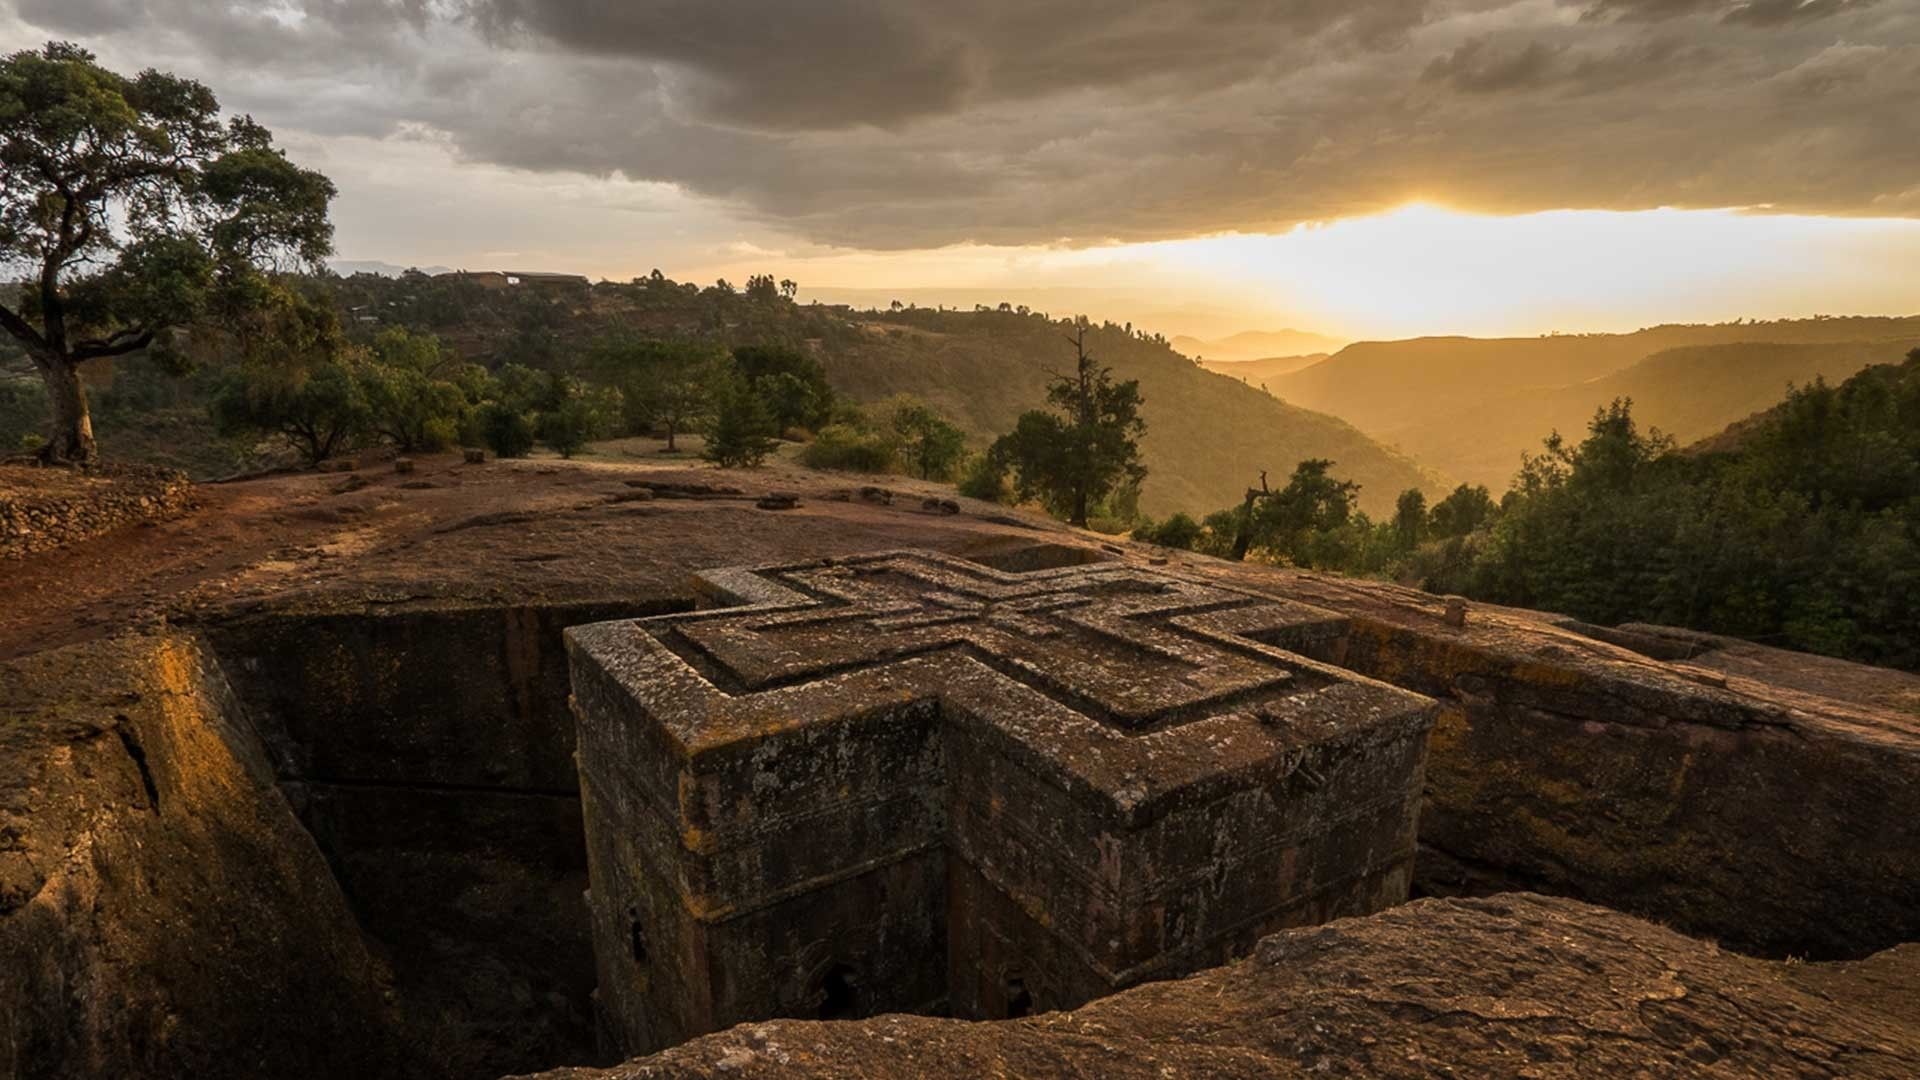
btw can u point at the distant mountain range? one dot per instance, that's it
(1470, 407)
(1258, 372)
(350, 267)
(1257, 345)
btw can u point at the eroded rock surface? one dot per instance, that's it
(161, 912)
(1510, 986)
(408, 672)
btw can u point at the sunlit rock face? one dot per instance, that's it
(903, 782)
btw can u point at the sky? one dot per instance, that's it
(1359, 168)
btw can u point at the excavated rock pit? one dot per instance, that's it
(337, 830)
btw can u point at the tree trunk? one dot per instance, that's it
(70, 442)
(671, 429)
(1079, 508)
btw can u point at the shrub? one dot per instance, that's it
(1178, 531)
(984, 478)
(568, 429)
(506, 431)
(842, 446)
(317, 409)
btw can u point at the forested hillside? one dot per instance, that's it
(1467, 407)
(1207, 438)
(1689, 393)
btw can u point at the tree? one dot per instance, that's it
(1410, 518)
(319, 409)
(930, 446)
(410, 401)
(133, 210)
(1467, 509)
(507, 431)
(743, 430)
(1072, 460)
(762, 289)
(1291, 520)
(804, 400)
(663, 384)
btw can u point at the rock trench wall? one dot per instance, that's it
(162, 913)
(429, 750)
(1714, 813)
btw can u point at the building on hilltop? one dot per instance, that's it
(507, 279)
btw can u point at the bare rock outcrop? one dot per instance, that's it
(1514, 985)
(161, 912)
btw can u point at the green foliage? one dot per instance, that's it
(1410, 518)
(1804, 534)
(507, 431)
(930, 446)
(23, 410)
(791, 383)
(851, 448)
(1467, 510)
(412, 404)
(983, 477)
(568, 429)
(137, 210)
(742, 434)
(525, 389)
(319, 408)
(664, 385)
(1178, 531)
(1304, 523)
(1074, 458)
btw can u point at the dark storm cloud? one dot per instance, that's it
(1748, 12)
(841, 63)
(902, 123)
(1477, 68)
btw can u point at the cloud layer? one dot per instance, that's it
(915, 123)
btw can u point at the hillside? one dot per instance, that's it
(1208, 436)
(1689, 393)
(1256, 345)
(1257, 372)
(1468, 407)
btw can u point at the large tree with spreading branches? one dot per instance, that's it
(130, 210)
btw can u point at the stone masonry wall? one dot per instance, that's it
(42, 509)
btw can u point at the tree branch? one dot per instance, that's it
(119, 343)
(21, 329)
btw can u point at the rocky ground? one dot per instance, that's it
(1762, 799)
(45, 509)
(1513, 986)
(540, 529)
